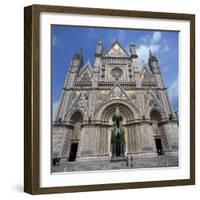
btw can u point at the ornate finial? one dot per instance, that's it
(81, 51)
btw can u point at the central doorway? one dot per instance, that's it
(73, 152)
(117, 136)
(117, 113)
(119, 151)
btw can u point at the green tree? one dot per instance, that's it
(117, 118)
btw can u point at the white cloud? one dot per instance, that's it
(165, 47)
(55, 109)
(55, 41)
(173, 94)
(173, 90)
(154, 48)
(153, 42)
(145, 38)
(156, 37)
(143, 52)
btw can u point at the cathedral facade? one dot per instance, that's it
(114, 109)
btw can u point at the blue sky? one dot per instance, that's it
(66, 40)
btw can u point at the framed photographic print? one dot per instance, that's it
(109, 99)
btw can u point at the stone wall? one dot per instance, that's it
(171, 130)
(147, 140)
(59, 134)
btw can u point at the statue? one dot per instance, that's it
(117, 135)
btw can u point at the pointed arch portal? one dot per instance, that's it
(107, 109)
(110, 110)
(117, 130)
(76, 119)
(156, 118)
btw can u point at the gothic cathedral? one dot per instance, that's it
(114, 109)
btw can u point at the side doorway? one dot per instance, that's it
(159, 146)
(76, 119)
(73, 152)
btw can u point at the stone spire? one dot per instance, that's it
(99, 49)
(133, 50)
(151, 56)
(150, 53)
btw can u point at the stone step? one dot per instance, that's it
(117, 159)
(159, 161)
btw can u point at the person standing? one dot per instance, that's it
(131, 161)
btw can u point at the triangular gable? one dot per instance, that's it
(152, 101)
(80, 103)
(118, 92)
(85, 66)
(146, 76)
(116, 50)
(157, 96)
(85, 74)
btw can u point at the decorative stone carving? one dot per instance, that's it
(146, 77)
(85, 76)
(116, 51)
(133, 96)
(72, 97)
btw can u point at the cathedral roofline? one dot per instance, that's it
(116, 42)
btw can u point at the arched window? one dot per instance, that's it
(77, 117)
(155, 115)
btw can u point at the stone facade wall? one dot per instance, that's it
(59, 136)
(147, 140)
(88, 89)
(171, 130)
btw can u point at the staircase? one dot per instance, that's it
(158, 161)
